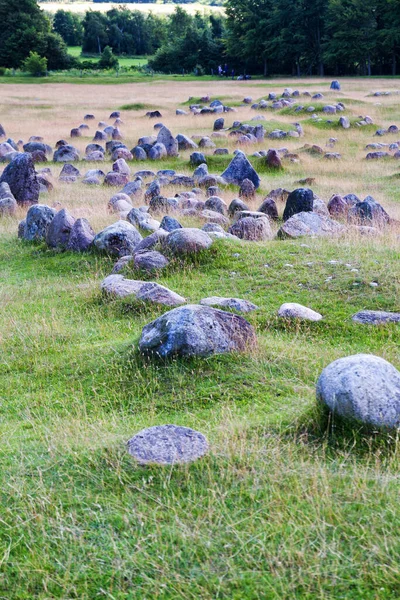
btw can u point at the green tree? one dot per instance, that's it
(35, 64)
(25, 28)
(69, 27)
(351, 35)
(108, 60)
(95, 36)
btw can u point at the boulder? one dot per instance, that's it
(115, 179)
(21, 177)
(216, 204)
(37, 222)
(196, 330)
(273, 160)
(291, 310)
(335, 85)
(157, 152)
(187, 241)
(310, 224)
(167, 445)
(344, 122)
(300, 200)
(59, 230)
(375, 317)
(150, 261)
(146, 291)
(66, 153)
(362, 387)
(252, 229)
(219, 124)
(166, 138)
(236, 304)
(236, 206)
(170, 224)
(184, 142)
(247, 189)
(143, 220)
(368, 212)
(8, 204)
(240, 169)
(118, 239)
(151, 241)
(81, 236)
(269, 208)
(197, 158)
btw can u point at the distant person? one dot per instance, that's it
(220, 71)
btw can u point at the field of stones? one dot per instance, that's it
(199, 384)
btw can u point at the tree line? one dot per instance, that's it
(273, 37)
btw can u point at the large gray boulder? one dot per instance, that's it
(292, 310)
(150, 261)
(81, 236)
(252, 229)
(142, 220)
(146, 291)
(368, 212)
(375, 317)
(37, 222)
(66, 153)
(20, 175)
(118, 239)
(187, 241)
(311, 224)
(196, 330)
(171, 144)
(59, 230)
(167, 445)
(363, 387)
(185, 143)
(8, 204)
(240, 169)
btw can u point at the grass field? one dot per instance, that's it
(134, 61)
(287, 504)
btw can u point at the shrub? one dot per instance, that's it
(35, 64)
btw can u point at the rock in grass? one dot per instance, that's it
(252, 229)
(8, 204)
(300, 200)
(188, 241)
(368, 212)
(59, 230)
(167, 445)
(20, 175)
(309, 224)
(37, 222)
(375, 317)
(196, 330)
(230, 303)
(147, 291)
(363, 387)
(240, 169)
(81, 236)
(291, 310)
(118, 239)
(150, 261)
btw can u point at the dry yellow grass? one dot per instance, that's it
(51, 110)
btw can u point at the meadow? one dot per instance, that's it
(288, 503)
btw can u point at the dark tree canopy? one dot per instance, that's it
(24, 29)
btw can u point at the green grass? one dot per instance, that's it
(284, 506)
(124, 61)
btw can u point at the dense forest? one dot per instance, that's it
(270, 37)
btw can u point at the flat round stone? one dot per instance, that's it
(167, 444)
